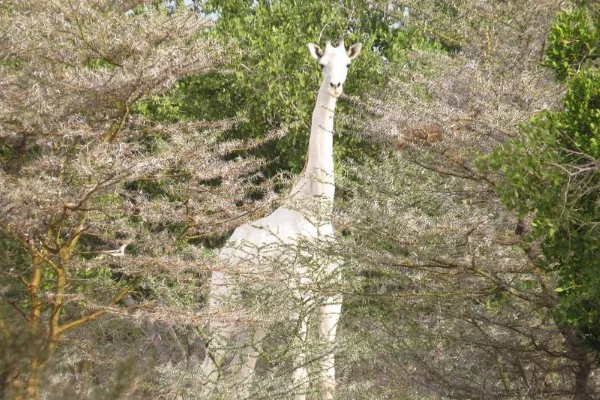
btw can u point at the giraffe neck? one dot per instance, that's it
(317, 179)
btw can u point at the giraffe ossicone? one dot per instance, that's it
(280, 251)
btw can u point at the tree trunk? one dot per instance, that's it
(579, 352)
(33, 381)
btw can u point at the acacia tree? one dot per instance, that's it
(96, 199)
(452, 296)
(551, 171)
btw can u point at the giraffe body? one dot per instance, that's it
(273, 252)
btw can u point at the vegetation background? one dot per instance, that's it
(134, 136)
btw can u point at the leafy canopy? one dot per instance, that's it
(271, 81)
(552, 170)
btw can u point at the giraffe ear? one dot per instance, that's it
(354, 50)
(315, 51)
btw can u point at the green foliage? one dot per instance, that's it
(573, 41)
(270, 80)
(552, 170)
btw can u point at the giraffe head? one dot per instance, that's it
(334, 62)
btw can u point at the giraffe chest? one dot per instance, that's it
(283, 226)
(284, 246)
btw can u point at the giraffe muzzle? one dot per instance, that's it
(335, 89)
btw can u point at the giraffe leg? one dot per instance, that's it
(217, 351)
(222, 329)
(329, 315)
(300, 374)
(244, 362)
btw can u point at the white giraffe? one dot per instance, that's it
(266, 248)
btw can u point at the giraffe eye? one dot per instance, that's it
(322, 66)
(348, 66)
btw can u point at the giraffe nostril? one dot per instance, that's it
(335, 85)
